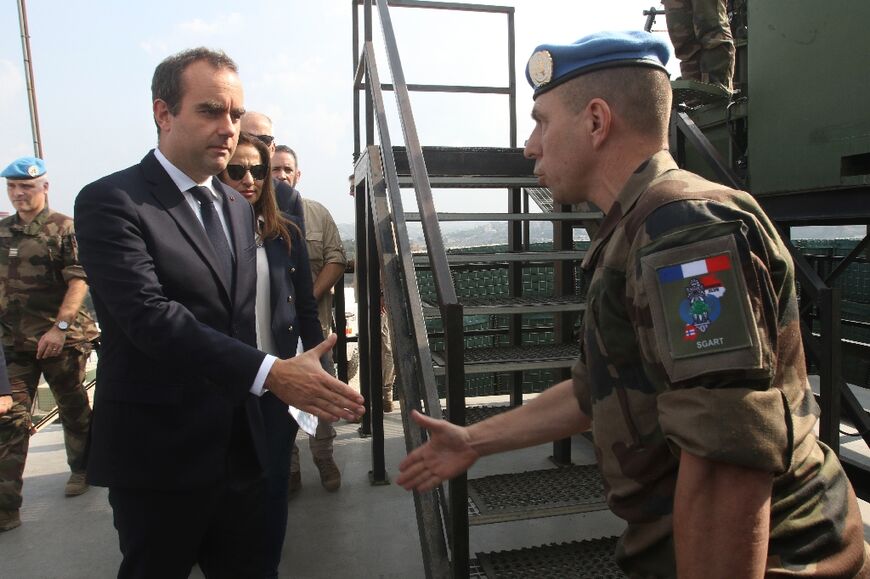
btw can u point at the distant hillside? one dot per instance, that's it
(463, 234)
(474, 234)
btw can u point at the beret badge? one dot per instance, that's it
(33, 171)
(541, 68)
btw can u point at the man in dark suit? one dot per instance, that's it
(170, 253)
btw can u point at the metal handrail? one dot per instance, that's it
(387, 225)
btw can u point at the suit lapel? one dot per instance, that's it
(168, 195)
(276, 252)
(240, 220)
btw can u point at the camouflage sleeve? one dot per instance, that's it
(72, 268)
(708, 321)
(5, 388)
(579, 378)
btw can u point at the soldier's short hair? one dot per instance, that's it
(289, 151)
(166, 83)
(641, 96)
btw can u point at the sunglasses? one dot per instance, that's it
(237, 172)
(267, 139)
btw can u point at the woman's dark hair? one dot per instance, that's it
(274, 223)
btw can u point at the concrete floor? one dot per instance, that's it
(361, 531)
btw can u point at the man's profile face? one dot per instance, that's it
(284, 168)
(27, 195)
(201, 138)
(558, 144)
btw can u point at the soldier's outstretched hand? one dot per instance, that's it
(447, 454)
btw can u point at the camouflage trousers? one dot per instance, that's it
(64, 374)
(701, 36)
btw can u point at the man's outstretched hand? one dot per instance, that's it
(302, 382)
(448, 453)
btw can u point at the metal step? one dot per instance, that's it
(513, 358)
(444, 217)
(542, 197)
(513, 257)
(535, 494)
(591, 559)
(474, 182)
(478, 413)
(511, 305)
(470, 161)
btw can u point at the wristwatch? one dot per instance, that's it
(62, 325)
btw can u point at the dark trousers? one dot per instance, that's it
(280, 434)
(162, 534)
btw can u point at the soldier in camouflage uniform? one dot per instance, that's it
(46, 331)
(701, 35)
(692, 374)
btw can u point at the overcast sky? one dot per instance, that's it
(93, 61)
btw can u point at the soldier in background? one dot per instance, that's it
(701, 35)
(46, 329)
(691, 371)
(328, 262)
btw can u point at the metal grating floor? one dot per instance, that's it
(512, 358)
(535, 494)
(478, 413)
(583, 559)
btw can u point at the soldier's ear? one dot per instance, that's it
(600, 118)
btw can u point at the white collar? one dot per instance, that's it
(181, 180)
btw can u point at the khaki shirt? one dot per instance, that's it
(324, 247)
(37, 260)
(692, 341)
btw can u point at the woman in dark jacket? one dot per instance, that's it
(286, 313)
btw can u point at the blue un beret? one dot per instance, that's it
(552, 64)
(24, 168)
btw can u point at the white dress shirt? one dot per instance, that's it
(183, 182)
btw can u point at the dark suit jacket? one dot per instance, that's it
(289, 201)
(172, 409)
(294, 309)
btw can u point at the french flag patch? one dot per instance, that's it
(694, 268)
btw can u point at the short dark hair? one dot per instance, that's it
(289, 151)
(640, 95)
(166, 83)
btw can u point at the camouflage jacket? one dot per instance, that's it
(37, 260)
(324, 247)
(691, 341)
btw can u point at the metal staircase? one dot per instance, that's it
(438, 354)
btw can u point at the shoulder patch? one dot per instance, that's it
(700, 309)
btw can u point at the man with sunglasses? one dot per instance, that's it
(178, 434)
(287, 197)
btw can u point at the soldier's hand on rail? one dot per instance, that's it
(447, 454)
(302, 382)
(5, 404)
(50, 344)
